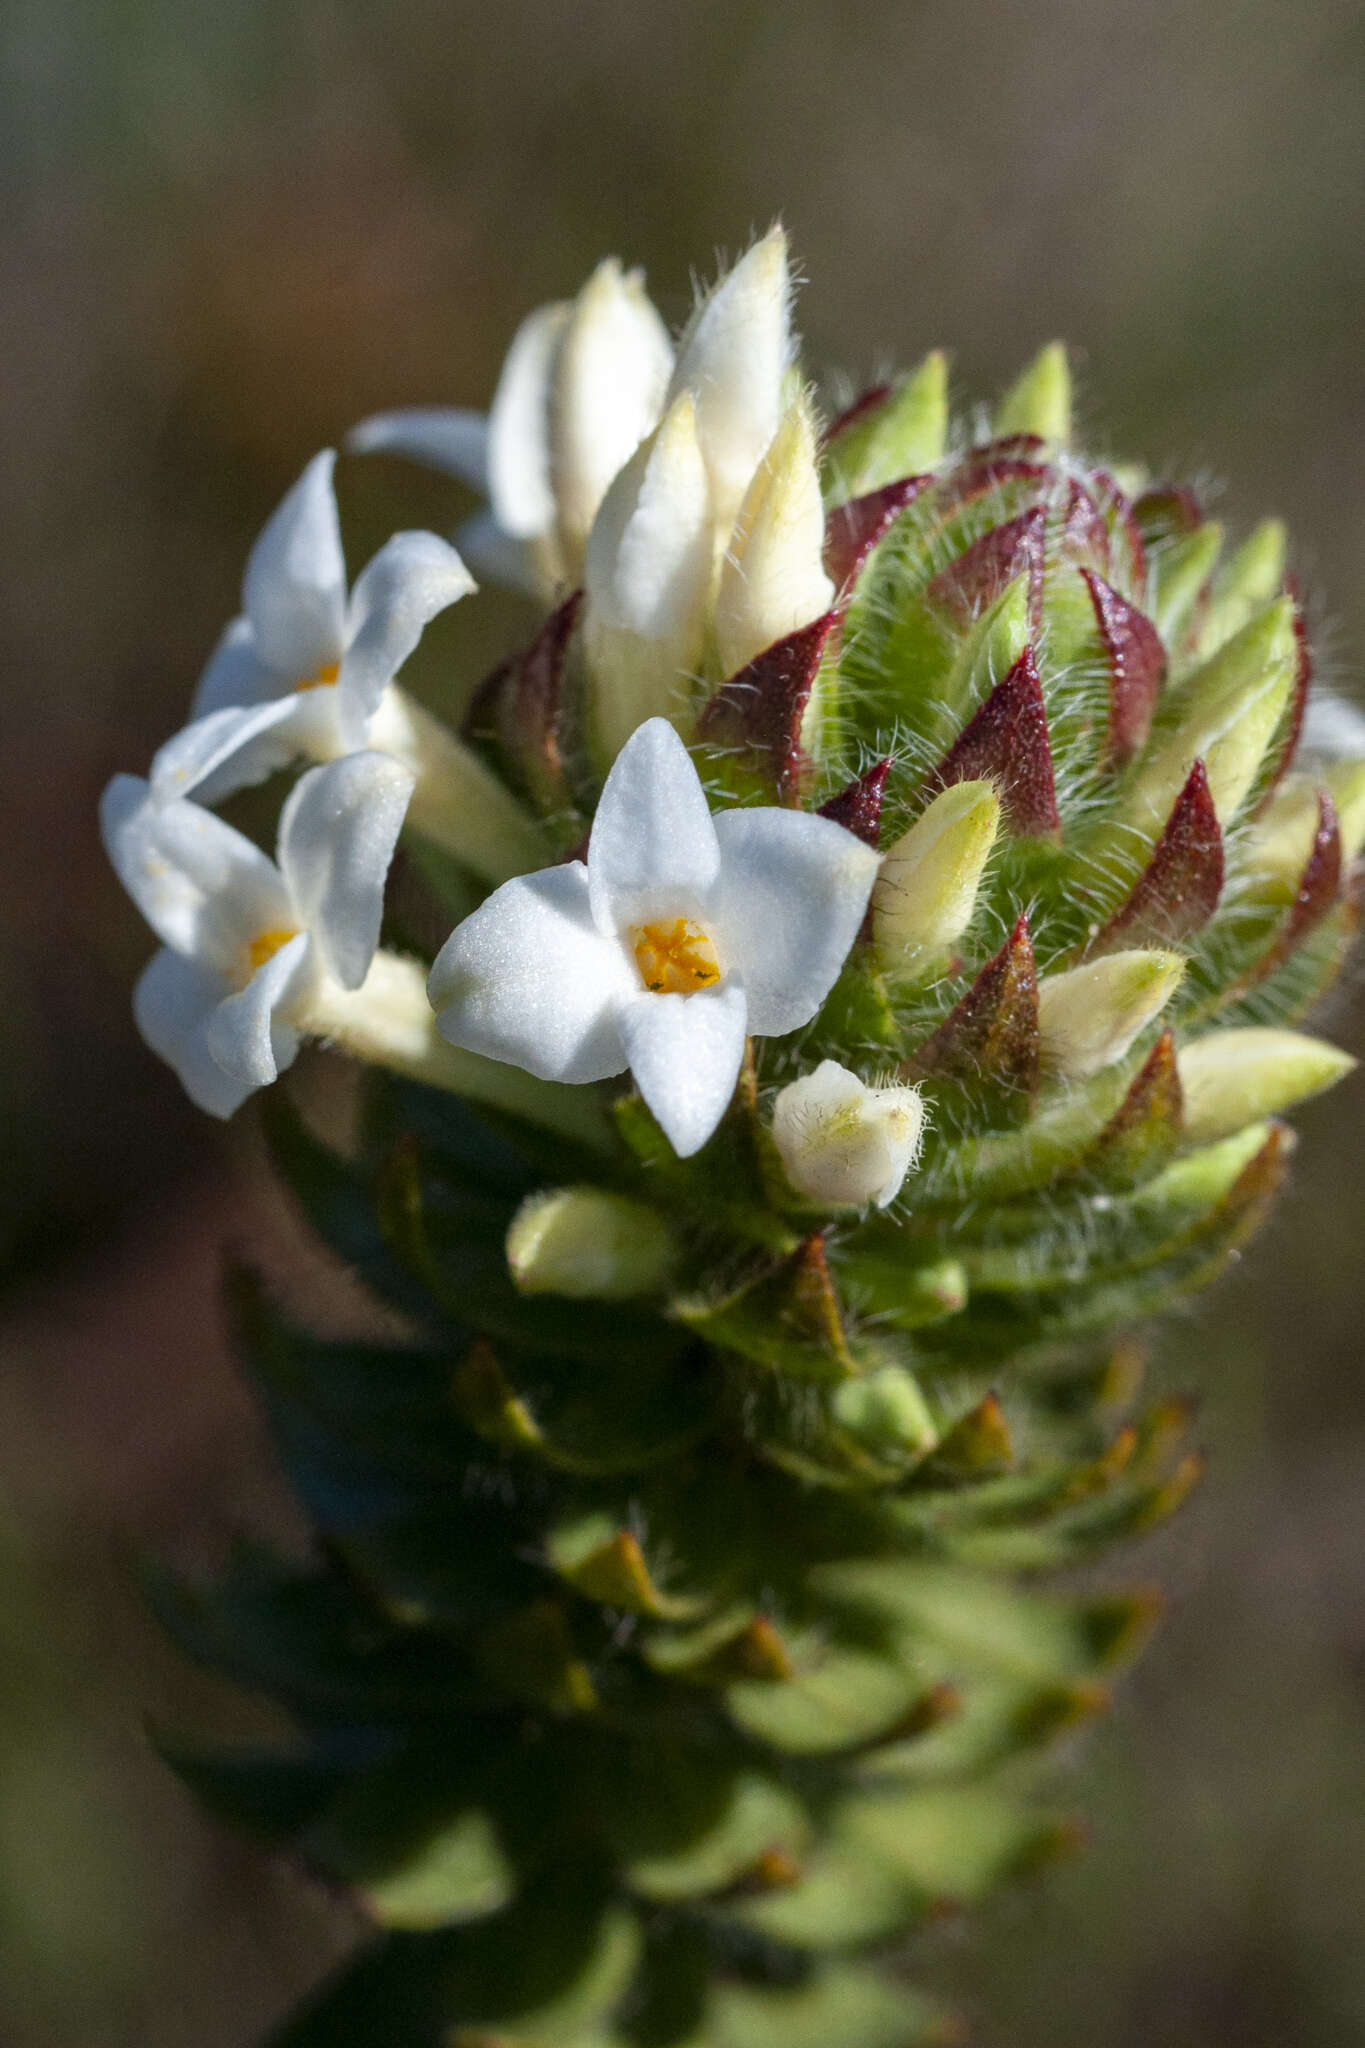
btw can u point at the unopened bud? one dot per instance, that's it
(1345, 782)
(1183, 568)
(1254, 575)
(588, 1245)
(926, 891)
(773, 578)
(902, 436)
(648, 579)
(1238, 1077)
(1229, 712)
(1039, 402)
(1089, 1016)
(886, 1411)
(610, 375)
(843, 1143)
(733, 359)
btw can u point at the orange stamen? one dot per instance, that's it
(266, 945)
(675, 958)
(323, 677)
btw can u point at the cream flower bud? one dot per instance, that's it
(648, 578)
(734, 359)
(1089, 1016)
(1232, 1078)
(587, 1244)
(843, 1143)
(610, 375)
(773, 578)
(926, 891)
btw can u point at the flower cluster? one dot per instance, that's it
(714, 563)
(682, 488)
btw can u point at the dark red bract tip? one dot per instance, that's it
(757, 714)
(993, 1031)
(859, 807)
(1178, 890)
(1137, 667)
(852, 530)
(1006, 742)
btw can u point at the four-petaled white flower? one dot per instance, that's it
(681, 933)
(305, 670)
(249, 943)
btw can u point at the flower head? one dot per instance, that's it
(304, 670)
(247, 941)
(680, 934)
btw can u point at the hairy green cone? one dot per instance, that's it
(668, 1653)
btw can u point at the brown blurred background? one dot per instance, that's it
(230, 231)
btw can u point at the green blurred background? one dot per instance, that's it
(229, 232)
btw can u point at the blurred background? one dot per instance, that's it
(229, 232)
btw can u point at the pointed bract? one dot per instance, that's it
(1006, 743)
(993, 1033)
(755, 720)
(1180, 887)
(1137, 667)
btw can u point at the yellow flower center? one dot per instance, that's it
(266, 945)
(324, 676)
(675, 958)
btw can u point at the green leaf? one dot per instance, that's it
(414, 1839)
(839, 2007)
(546, 1973)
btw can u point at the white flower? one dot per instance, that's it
(249, 943)
(844, 1143)
(681, 933)
(582, 385)
(305, 670)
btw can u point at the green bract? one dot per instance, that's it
(669, 1652)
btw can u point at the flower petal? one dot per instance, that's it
(249, 1034)
(653, 850)
(528, 978)
(519, 485)
(239, 746)
(648, 580)
(501, 558)
(734, 359)
(685, 1053)
(793, 891)
(412, 578)
(610, 376)
(235, 673)
(1333, 727)
(294, 592)
(172, 1003)
(205, 890)
(449, 437)
(338, 830)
